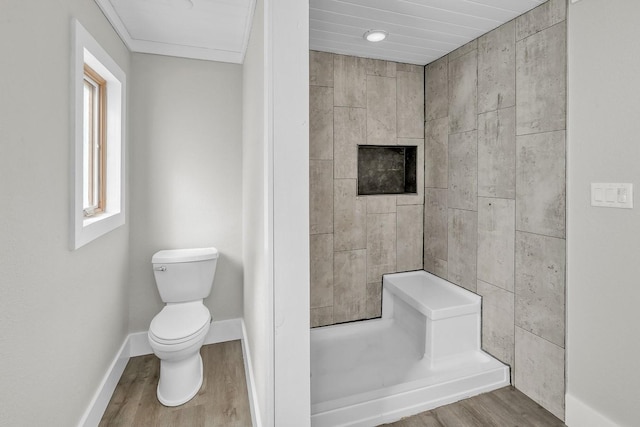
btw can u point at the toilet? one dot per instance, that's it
(184, 278)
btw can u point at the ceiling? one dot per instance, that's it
(215, 30)
(419, 31)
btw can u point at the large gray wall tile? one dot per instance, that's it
(377, 67)
(463, 89)
(496, 241)
(320, 196)
(497, 69)
(541, 64)
(410, 68)
(497, 153)
(381, 204)
(410, 108)
(463, 50)
(412, 199)
(381, 245)
(321, 316)
(320, 68)
(543, 16)
(349, 81)
(540, 183)
(497, 322)
(381, 110)
(349, 216)
(436, 153)
(436, 224)
(540, 286)
(463, 170)
(410, 240)
(436, 266)
(321, 256)
(350, 129)
(374, 300)
(320, 123)
(540, 371)
(436, 92)
(350, 285)
(463, 235)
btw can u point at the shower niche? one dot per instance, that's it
(387, 169)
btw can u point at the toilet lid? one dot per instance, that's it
(177, 322)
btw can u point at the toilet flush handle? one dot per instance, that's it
(161, 268)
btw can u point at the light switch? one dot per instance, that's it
(622, 195)
(612, 195)
(598, 195)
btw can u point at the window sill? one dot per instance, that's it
(97, 217)
(89, 229)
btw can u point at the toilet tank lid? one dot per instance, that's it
(171, 256)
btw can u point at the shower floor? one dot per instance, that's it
(370, 372)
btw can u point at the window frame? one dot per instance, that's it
(84, 229)
(97, 199)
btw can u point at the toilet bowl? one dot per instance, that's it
(184, 277)
(176, 335)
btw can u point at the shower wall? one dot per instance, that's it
(495, 190)
(356, 239)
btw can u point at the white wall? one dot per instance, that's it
(288, 53)
(276, 210)
(603, 341)
(258, 270)
(63, 314)
(186, 175)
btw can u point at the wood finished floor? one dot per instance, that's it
(505, 407)
(222, 401)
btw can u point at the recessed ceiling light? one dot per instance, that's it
(375, 35)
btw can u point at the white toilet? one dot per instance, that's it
(184, 278)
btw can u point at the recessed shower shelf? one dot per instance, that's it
(387, 169)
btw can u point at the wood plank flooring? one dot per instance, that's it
(222, 401)
(505, 407)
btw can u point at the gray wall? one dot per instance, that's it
(186, 179)
(603, 341)
(63, 313)
(355, 239)
(495, 190)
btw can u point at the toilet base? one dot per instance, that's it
(179, 381)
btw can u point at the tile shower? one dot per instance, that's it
(356, 239)
(491, 196)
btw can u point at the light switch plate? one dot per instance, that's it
(612, 195)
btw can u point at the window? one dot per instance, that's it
(93, 142)
(99, 94)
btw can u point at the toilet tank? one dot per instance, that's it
(184, 274)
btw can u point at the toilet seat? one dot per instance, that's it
(178, 323)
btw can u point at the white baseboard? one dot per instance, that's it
(251, 384)
(136, 344)
(98, 404)
(579, 414)
(220, 331)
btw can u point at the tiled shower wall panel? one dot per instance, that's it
(356, 239)
(494, 208)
